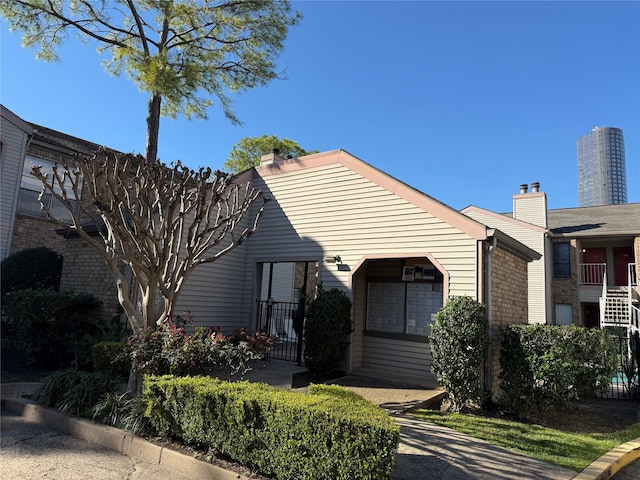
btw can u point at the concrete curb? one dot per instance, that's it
(611, 462)
(121, 441)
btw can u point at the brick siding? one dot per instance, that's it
(509, 302)
(83, 269)
(565, 290)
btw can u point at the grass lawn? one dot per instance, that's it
(570, 450)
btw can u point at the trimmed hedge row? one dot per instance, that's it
(548, 365)
(330, 432)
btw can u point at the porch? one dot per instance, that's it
(396, 395)
(618, 303)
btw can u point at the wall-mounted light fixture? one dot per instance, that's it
(333, 259)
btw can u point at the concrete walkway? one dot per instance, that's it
(426, 450)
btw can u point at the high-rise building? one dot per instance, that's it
(602, 176)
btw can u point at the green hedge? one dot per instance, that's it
(111, 358)
(52, 329)
(459, 342)
(326, 333)
(548, 365)
(33, 268)
(328, 433)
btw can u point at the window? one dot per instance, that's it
(561, 260)
(403, 307)
(564, 314)
(31, 187)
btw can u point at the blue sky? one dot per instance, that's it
(462, 100)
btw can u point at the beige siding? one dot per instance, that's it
(214, 292)
(14, 141)
(331, 210)
(533, 238)
(398, 357)
(531, 208)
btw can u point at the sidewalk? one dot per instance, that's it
(427, 450)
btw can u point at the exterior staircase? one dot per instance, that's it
(618, 310)
(620, 306)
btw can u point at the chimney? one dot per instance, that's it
(531, 207)
(271, 158)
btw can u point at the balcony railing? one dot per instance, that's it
(591, 273)
(632, 275)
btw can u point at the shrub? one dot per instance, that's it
(168, 349)
(52, 329)
(328, 433)
(122, 410)
(30, 269)
(73, 391)
(459, 340)
(548, 365)
(111, 358)
(326, 332)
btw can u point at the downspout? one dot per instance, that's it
(486, 249)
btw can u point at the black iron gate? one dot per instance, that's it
(285, 321)
(626, 384)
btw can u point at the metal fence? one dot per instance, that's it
(625, 385)
(285, 322)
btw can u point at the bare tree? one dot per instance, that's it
(161, 222)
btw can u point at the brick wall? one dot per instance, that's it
(509, 302)
(83, 269)
(31, 232)
(565, 290)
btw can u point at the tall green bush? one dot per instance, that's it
(33, 268)
(52, 329)
(459, 340)
(326, 332)
(547, 365)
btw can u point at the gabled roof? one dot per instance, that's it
(386, 181)
(604, 220)
(505, 217)
(16, 120)
(420, 199)
(62, 141)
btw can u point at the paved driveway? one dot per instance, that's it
(35, 451)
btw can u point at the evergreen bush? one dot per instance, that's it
(30, 269)
(548, 366)
(326, 332)
(52, 329)
(111, 358)
(329, 433)
(459, 340)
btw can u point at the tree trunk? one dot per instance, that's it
(153, 127)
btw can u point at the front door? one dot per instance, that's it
(622, 256)
(592, 315)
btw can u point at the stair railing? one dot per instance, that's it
(634, 312)
(603, 298)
